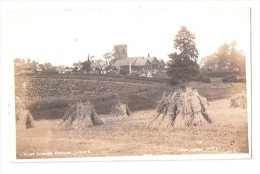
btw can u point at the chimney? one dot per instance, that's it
(148, 55)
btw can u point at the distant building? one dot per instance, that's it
(155, 63)
(140, 65)
(38, 69)
(124, 65)
(162, 65)
(60, 69)
(134, 64)
(120, 51)
(24, 67)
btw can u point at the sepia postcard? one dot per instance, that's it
(130, 81)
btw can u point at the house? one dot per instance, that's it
(68, 70)
(60, 69)
(162, 64)
(64, 70)
(24, 67)
(154, 62)
(38, 69)
(124, 64)
(133, 64)
(140, 65)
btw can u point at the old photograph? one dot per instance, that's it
(133, 79)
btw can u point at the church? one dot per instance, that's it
(140, 65)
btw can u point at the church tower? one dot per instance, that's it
(120, 51)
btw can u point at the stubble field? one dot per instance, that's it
(131, 136)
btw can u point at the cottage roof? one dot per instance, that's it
(124, 62)
(162, 62)
(135, 61)
(151, 59)
(43, 67)
(141, 62)
(69, 69)
(121, 62)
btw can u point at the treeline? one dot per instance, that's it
(227, 60)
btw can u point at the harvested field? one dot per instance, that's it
(131, 136)
(228, 132)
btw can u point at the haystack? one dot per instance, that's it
(120, 110)
(184, 105)
(80, 116)
(238, 101)
(24, 119)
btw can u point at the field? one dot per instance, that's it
(122, 136)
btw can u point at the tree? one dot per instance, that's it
(237, 59)
(226, 59)
(86, 66)
(208, 63)
(183, 65)
(108, 57)
(48, 65)
(77, 66)
(223, 57)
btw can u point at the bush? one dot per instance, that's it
(214, 74)
(134, 74)
(174, 81)
(241, 80)
(234, 79)
(123, 72)
(230, 78)
(202, 78)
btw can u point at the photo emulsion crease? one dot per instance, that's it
(131, 81)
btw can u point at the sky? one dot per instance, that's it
(65, 33)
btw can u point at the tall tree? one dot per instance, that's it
(183, 65)
(226, 59)
(223, 57)
(48, 65)
(237, 59)
(108, 57)
(86, 66)
(76, 66)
